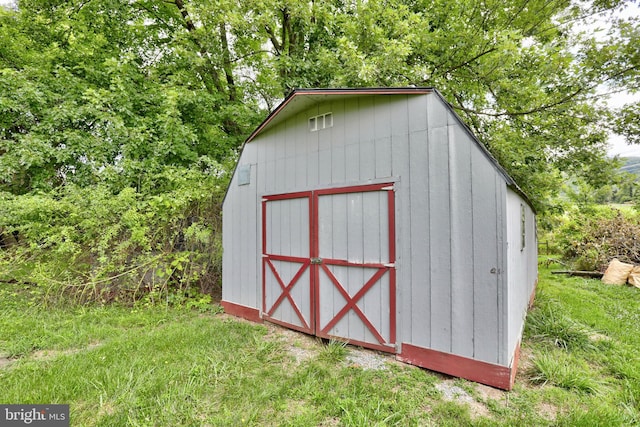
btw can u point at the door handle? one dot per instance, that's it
(316, 261)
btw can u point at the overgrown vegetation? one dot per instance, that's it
(590, 237)
(93, 245)
(164, 365)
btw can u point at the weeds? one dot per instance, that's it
(594, 237)
(547, 323)
(93, 246)
(334, 351)
(559, 369)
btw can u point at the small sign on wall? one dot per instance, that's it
(244, 174)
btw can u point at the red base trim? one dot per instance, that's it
(243, 311)
(482, 372)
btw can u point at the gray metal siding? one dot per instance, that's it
(452, 290)
(452, 242)
(417, 248)
(485, 257)
(438, 179)
(240, 269)
(522, 265)
(357, 149)
(462, 256)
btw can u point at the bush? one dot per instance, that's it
(95, 245)
(591, 239)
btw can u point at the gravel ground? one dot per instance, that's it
(453, 392)
(367, 360)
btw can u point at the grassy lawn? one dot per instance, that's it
(162, 366)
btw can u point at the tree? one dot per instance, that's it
(90, 96)
(111, 98)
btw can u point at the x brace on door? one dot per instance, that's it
(351, 302)
(307, 259)
(287, 289)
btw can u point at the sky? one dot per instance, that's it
(617, 144)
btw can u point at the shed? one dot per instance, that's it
(374, 216)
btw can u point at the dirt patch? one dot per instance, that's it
(301, 346)
(300, 354)
(53, 354)
(453, 393)
(367, 360)
(547, 411)
(525, 362)
(5, 362)
(304, 347)
(490, 393)
(43, 355)
(330, 422)
(478, 410)
(526, 368)
(596, 337)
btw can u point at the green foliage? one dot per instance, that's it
(561, 370)
(113, 99)
(547, 323)
(115, 126)
(594, 236)
(100, 246)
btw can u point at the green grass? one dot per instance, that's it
(160, 366)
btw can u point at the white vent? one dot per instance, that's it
(320, 122)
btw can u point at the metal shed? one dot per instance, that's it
(376, 217)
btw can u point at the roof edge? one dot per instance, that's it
(337, 91)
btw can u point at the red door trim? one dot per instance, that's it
(392, 271)
(314, 268)
(352, 189)
(308, 327)
(345, 263)
(390, 266)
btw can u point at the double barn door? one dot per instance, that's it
(328, 263)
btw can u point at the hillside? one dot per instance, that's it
(631, 165)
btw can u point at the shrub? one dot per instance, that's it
(97, 245)
(592, 239)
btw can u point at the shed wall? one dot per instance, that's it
(451, 203)
(523, 263)
(240, 228)
(451, 248)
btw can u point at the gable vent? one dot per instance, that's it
(322, 121)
